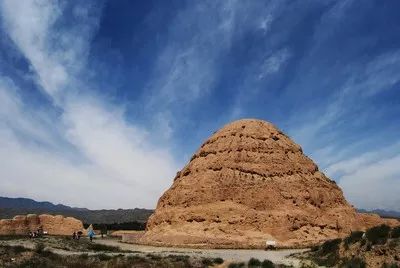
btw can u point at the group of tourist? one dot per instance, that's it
(37, 233)
(77, 235)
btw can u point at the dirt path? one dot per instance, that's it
(237, 255)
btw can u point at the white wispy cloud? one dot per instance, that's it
(265, 22)
(198, 39)
(381, 73)
(273, 63)
(186, 68)
(97, 159)
(351, 165)
(373, 185)
(29, 27)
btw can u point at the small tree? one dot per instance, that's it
(378, 234)
(267, 264)
(354, 237)
(253, 262)
(395, 232)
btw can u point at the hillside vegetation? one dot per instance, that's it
(377, 247)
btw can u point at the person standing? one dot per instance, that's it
(91, 234)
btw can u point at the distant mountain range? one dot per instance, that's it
(382, 213)
(9, 207)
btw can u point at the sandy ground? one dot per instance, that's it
(237, 255)
(231, 255)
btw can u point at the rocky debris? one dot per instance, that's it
(53, 225)
(248, 183)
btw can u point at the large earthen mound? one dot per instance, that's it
(53, 225)
(249, 183)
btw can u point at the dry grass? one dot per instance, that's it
(41, 257)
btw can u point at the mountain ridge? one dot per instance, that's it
(10, 207)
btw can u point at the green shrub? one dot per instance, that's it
(395, 232)
(183, 258)
(218, 260)
(39, 248)
(103, 257)
(330, 246)
(332, 259)
(35, 262)
(207, 262)
(236, 265)
(154, 257)
(354, 237)
(101, 247)
(15, 249)
(254, 262)
(267, 264)
(378, 234)
(11, 237)
(136, 258)
(83, 256)
(353, 263)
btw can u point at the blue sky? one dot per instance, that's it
(102, 102)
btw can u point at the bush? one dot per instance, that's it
(154, 257)
(100, 247)
(332, 259)
(103, 257)
(267, 264)
(353, 263)
(35, 262)
(236, 265)
(15, 249)
(395, 232)
(354, 237)
(183, 258)
(330, 246)
(83, 256)
(218, 260)
(136, 258)
(378, 234)
(39, 248)
(254, 262)
(207, 262)
(11, 237)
